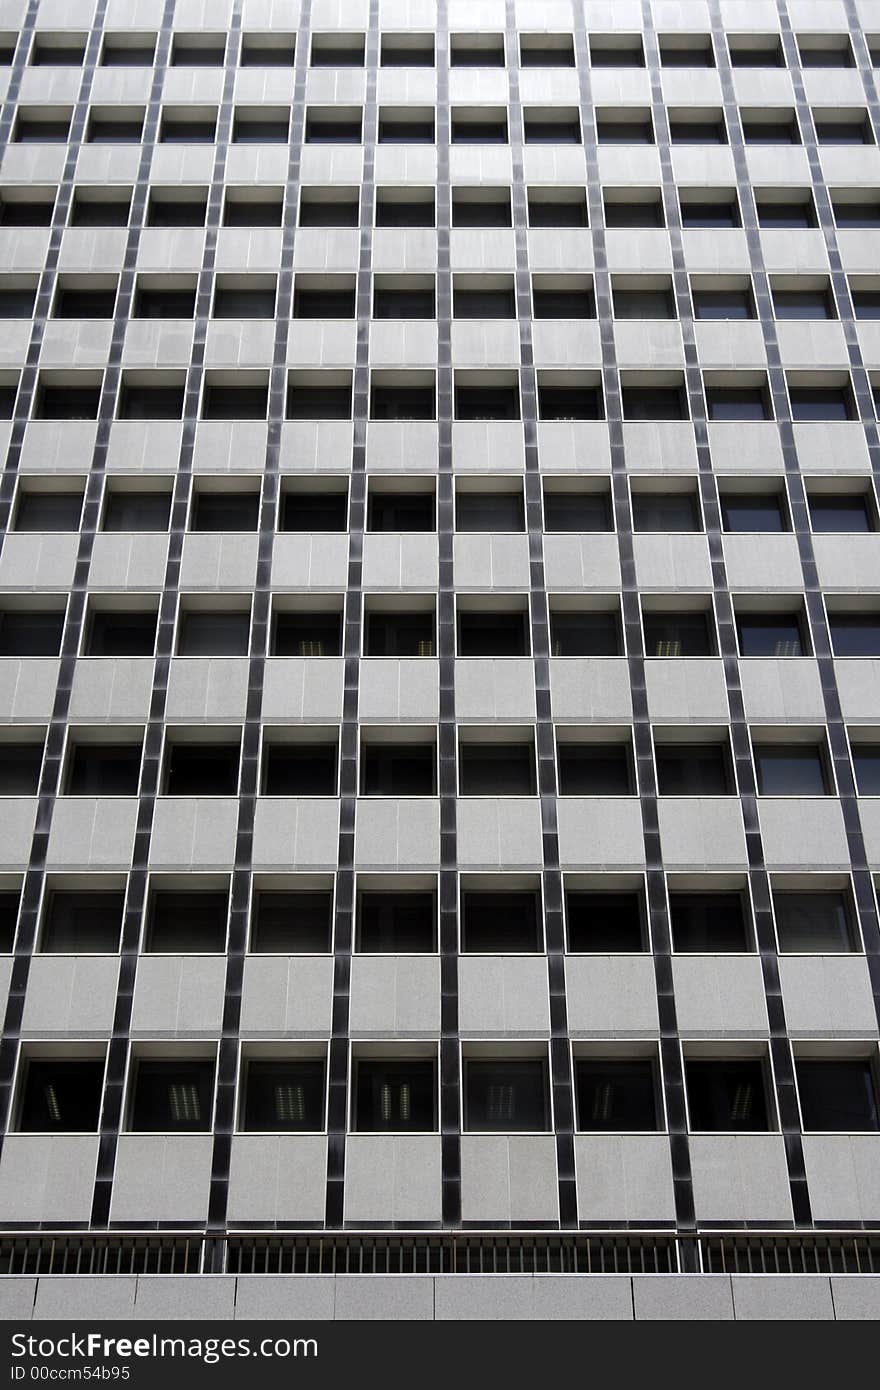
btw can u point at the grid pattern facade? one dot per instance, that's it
(440, 616)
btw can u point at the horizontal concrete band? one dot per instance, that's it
(489, 1297)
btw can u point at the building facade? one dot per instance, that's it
(440, 651)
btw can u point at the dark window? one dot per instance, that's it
(560, 131)
(797, 215)
(68, 53)
(723, 304)
(395, 1096)
(848, 511)
(706, 923)
(248, 130)
(304, 769)
(727, 1096)
(328, 51)
(252, 212)
(640, 212)
(26, 211)
(48, 511)
(79, 924)
(611, 132)
(187, 923)
(17, 303)
(866, 764)
(677, 634)
(476, 51)
(214, 634)
(103, 770)
(506, 1096)
(407, 51)
(820, 403)
(654, 403)
(550, 211)
(487, 402)
(172, 1096)
(150, 402)
(665, 511)
(814, 923)
(569, 402)
(30, 634)
(770, 634)
(489, 511)
(546, 51)
(395, 923)
(177, 212)
(120, 632)
(752, 511)
(307, 634)
(496, 769)
(189, 52)
(402, 403)
(8, 918)
(7, 401)
(737, 403)
(570, 303)
(295, 923)
(324, 304)
(187, 132)
(644, 304)
(723, 213)
(600, 769)
(404, 129)
(20, 765)
(502, 923)
(284, 1096)
(67, 402)
(336, 211)
(488, 131)
(476, 209)
(225, 511)
(866, 304)
(614, 1096)
(484, 304)
(844, 133)
(834, 55)
(585, 634)
(492, 634)
(399, 634)
(314, 511)
(803, 304)
(242, 303)
(34, 132)
(137, 511)
(119, 53)
(398, 769)
(99, 212)
(114, 132)
(333, 132)
(855, 634)
(790, 770)
(838, 1096)
(319, 402)
(165, 304)
(402, 303)
(404, 211)
(201, 769)
(576, 511)
(689, 132)
(604, 923)
(400, 511)
(693, 769)
(229, 402)
(690, 52)
(617, 55)
(61, 1097)
(771, 132)
(857, 215)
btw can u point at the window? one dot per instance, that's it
(686, 51)
(727, 1096)
(395, 1095)
(396, 923)
(856, 211)
(752, 511)
(546, 51)
(399, 633)
(855, 634)
(698, 210)
(59, 1097)
(9, 902)
(483, 298)
(201, 769)
(738, 402)
(633, 209)
(866, 303)
(697, 128)
(100, 208)
(476, 50)
(406, 125)
(174, 299)
(569, 396)
(35, 129)
(786, 212)
(842, 129)
(551, 125)
(198, 50)
(407, 51)
(284, 1096)
(34, 633)
(189, 922)
(329, 207)
(631, 128)
(58, 51)
(126, 510)
(478, 126)
(327, 398)
(479, 207)
(224, 511)
(604, 923)
(866, 765)
(585, 633)
(595, 769)
(27, 207)
(299, 769)
(70, 401)
(166, 209)
(580, 511)
(95, 769)
(838, 1095)
(723, 304)
(803, 304)
(502, 922)
(615, 1095)
(405, 207)
(762, 129)
(405, 399)
(489, 511)
(665, 511)
(677, 634)
(487, 401)
(8, 391)
(338, 50)
(79, 923)
(790, 770)
(299, 922)
(647, 301)
(172, 1096)
(644, 402)
(562, 298)
(771, 634)
(20, 765)
(224, 399)
(145, 399)
(253, 207)
(506, 1096)
(616, 51)
(809, 923)
(825, 51)
(557, 207)
(187, 127)
(406, 297)
(400, 511)
(755, 51)
(841, 511)
(109, 127)
(820, 403)
(307, 634)
(333, 126)
(48, 511)
(398, 769)
(249, 298)
(496, 769)
(499, 633)
(707, 923)
(270, 50)
(314, 511)
(17, 301)
(694, 769)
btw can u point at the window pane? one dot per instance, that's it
(294, 923)
(848, 512)
(506, 1096)
(726, 1096)
(284, 1097)
(173, 1096)
(866, 762)
(752, 512)
(394, 1096)
(855, 634)
(789, 771)
(604, 923)
(616, 1096)
(813, 922)
(708, 922)
(838, 1096)
(500, 923)
(765, 634)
